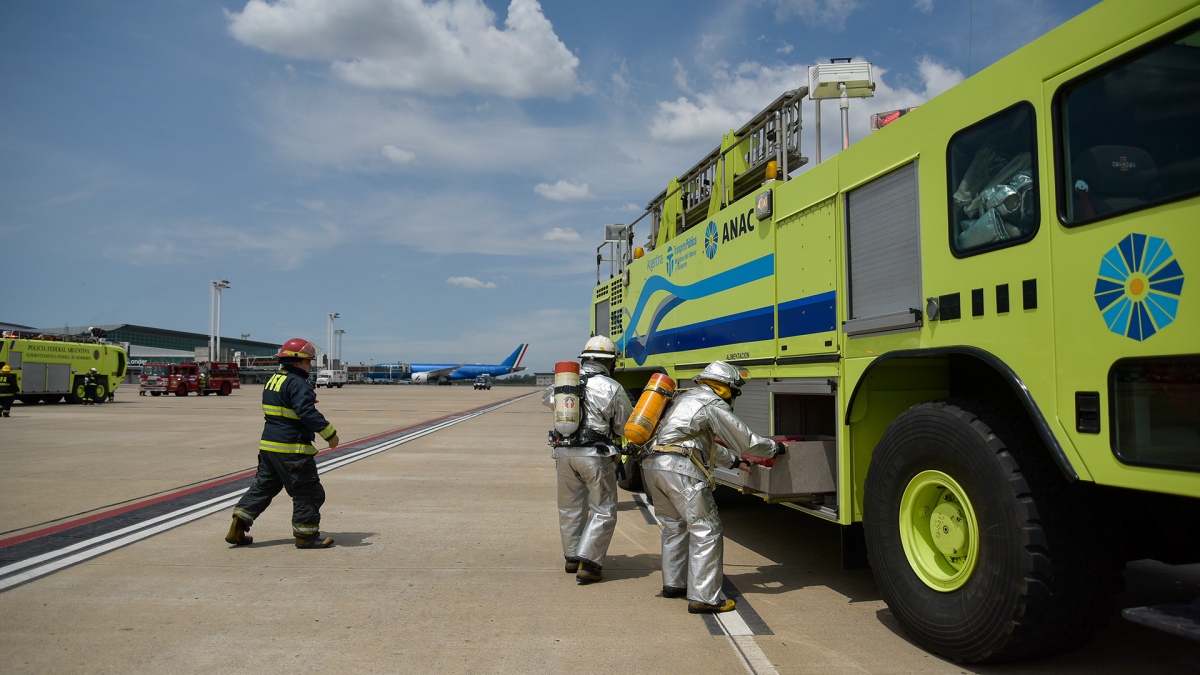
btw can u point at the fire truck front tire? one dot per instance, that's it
(77, 392)
(101, 392)
(225, 390)
(182, 390)
(155, 393)
(979, 546)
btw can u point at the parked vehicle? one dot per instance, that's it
(202, 378)
(331, 378)
(50, 369)
(971, 325)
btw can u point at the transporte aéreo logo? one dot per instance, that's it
(1139, 286)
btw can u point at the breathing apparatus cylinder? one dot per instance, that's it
(649, 408)
(566, 397)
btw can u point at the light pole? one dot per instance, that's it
(214, 340)
(215, 315)
(338, 334)
(329, 340)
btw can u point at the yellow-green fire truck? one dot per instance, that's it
(977, 322)
(50, 370)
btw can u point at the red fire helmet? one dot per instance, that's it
(298, 348)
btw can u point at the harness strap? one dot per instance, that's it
(676, 449)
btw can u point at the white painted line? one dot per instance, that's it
(734, 624)
(741, 637)
(127, 535)
(752, 656)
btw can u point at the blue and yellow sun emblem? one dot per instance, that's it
(1138, 286)
(710, 240)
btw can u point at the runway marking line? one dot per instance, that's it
(739, 626)
(44, 563)
(183, 492)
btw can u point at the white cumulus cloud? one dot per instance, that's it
(735, 95)
(396, 155)
(469, 282)
(925, 6)
(563, 191)
(444, 48)
(561, 234)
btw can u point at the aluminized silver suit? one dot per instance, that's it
(692, 544)
(587, 483)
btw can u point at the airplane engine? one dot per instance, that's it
(420, 378)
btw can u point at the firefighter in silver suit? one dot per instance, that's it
(586, 463)
(677, 472)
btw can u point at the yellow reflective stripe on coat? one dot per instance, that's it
(328, 431)
(288, 448)
(280, 411)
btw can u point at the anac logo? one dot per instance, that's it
(1139, 286)
(710, 239)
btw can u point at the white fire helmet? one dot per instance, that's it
(719, 371)
(599, 348)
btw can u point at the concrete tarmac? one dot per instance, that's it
(447, 560)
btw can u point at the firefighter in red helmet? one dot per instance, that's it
(286, 456)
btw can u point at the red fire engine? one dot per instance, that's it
(181, 378)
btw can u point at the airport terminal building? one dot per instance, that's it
(155, 345)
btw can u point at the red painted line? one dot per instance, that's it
(84, 520)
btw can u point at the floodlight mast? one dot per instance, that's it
(843, 80)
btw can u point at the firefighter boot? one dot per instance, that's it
(571, 566)
(674, 592)
(237, 533)
(314, 542)
(726, 605)
(588, 572)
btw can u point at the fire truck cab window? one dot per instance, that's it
(993, 183)
(1127, 132)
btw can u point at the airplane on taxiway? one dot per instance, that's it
(445, 373)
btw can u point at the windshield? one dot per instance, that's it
(154, 370)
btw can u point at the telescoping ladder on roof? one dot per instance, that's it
(733, 170)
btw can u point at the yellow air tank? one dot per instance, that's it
(649, 407)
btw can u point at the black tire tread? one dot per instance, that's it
(1070, 566)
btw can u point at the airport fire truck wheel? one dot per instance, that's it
(155, 393)
(979, 546)
(225, 389)
(181, 391)
(77, 392)
(101, 392)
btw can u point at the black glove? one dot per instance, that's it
(780, 448)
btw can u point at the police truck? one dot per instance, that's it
(49, 370)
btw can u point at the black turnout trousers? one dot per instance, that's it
(295, 473)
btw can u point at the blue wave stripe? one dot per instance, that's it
(742, 274)
(751, 326)
(806, 316)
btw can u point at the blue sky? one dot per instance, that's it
(439, 174)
